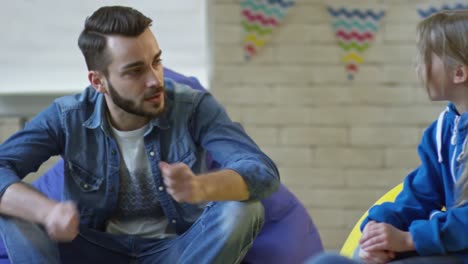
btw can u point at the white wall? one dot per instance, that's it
(39, 51)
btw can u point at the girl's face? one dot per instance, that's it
(438, 82)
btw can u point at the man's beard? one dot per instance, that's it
(131, 107)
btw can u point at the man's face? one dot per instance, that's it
(135, 77)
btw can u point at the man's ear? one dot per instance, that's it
(460, 74)
(98, 81)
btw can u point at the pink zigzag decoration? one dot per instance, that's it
(354, 35)
(259, 17)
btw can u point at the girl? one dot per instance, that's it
(414, 229)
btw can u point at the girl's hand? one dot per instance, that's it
(382, 236)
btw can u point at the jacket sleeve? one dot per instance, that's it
(421, 194)
(28, 148)
(230, 147)
(443, 233)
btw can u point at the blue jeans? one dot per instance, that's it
(222, 234)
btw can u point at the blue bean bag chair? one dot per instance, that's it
(288, 235)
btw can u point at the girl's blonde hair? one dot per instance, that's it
(446, 35)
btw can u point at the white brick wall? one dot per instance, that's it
(339, 145)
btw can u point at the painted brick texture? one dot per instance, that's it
(339, 144)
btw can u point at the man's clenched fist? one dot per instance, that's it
(62, 222)
(181, 183)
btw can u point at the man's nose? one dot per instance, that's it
(154, 79)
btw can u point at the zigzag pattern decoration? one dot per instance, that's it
(355, 30)
(259, 19)
(426, 12)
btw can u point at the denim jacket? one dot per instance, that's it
(76, 128)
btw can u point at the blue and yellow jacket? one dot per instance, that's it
(431, 187)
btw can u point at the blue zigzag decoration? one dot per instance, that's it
(431, 10)
(282, 3)
(355, 12)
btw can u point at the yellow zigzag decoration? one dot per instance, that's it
(255, 40)
(354, 57)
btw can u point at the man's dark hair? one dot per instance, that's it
(108, 20)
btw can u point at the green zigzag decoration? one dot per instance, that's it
(355, 24)
(257, 28)
(354, 46)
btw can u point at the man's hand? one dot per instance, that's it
(376, 257)
(62, 222)
(382, 236)
(181, 183)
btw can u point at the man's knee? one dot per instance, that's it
(241, 215)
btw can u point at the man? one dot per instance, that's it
(133, 145)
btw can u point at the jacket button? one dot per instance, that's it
(151, 153)
(86, 186)
(174, 221)
(160, 188)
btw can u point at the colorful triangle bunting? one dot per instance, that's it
(259, 19)
(355, 30)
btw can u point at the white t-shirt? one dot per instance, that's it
(138, 210)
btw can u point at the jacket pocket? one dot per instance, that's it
(86, 181)
(188, 158)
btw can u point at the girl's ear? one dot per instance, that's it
(460, 74)
(97, 81)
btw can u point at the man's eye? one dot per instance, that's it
(134, 72)
(157, 62)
